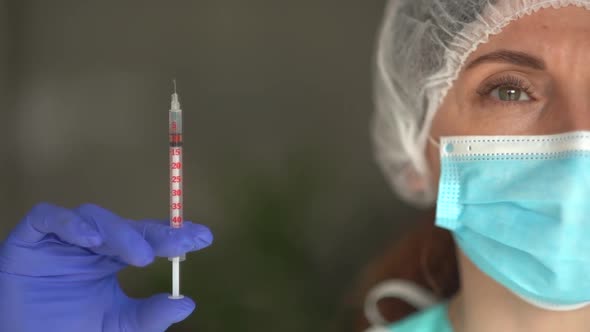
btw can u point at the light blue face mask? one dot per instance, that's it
(519, 208)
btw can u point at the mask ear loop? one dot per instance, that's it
(405, 290)
(376, 328)
(416, 181)
(433, 142)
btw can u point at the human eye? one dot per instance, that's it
(510, 93)
(507, 89)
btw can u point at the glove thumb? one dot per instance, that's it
(158, 312)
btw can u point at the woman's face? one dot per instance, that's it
(531, 79)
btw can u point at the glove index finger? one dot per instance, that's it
(69, 227)
(120, 239)
(171, 242)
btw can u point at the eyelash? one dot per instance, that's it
(506, 81)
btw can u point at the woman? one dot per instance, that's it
(484, 108)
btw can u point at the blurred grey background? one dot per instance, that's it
(277, 101)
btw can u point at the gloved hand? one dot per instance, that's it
(58, 271)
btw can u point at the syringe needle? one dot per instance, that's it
(174, 104)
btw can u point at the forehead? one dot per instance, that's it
(544, 33)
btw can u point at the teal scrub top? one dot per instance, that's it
(433, 319)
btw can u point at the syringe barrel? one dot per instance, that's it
(176, 166)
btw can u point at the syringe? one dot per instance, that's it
(175, 152)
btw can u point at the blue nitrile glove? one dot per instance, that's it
(58, 271)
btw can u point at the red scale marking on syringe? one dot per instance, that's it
(176, 186)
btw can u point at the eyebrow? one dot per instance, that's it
(513, 57)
